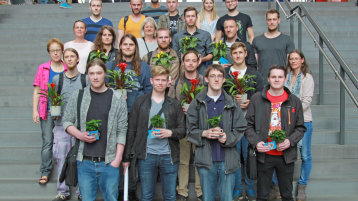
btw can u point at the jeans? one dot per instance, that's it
(305, 147)
(284, 174)
(93, 174)
(148, 173)
(242, 146)
(47, 142)
(211, 178)
(61, 146)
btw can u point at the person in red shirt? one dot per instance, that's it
(277, 109)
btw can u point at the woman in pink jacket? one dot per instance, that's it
(44, 75)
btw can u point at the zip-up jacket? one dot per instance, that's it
(137, 134)
(291, 122)
(234, 125)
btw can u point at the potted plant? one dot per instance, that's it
(121, 79)
(214, 123)
(157, 122)
(188, 43)
(189, 94)
(56, 100)
(163, 59)
(219, 51)
(277, 136)
(240, 86)
(93, 128)
(98, 55)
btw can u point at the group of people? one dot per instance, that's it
(282, 90)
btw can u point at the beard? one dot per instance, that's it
(163, 47)
(232, 9)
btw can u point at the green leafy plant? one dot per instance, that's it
(214, 121)
(278, 136)
(93, 125)
(98, 55)
(121, 79)
(157, 121)
(190, 94)
(163, 59)
(219, 50)
(239, 85)
(51, 94)
(188, 43)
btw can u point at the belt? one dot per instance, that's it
(94, 159)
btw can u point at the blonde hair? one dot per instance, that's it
(149, 20)
(159, 70)
(202, 11)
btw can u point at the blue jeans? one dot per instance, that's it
(242, 149)
(93, 174)
(305, 147)
(211, 178)
(47, 143)
(148, 173)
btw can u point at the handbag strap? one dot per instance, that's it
(79, 101)
(258, 124)
(159, 113)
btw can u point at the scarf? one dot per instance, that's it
(296, 87)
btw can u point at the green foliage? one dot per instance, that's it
(121, 80)
(214, 121)
(51, 94)
(220, 50)
(163, 59)
(93, 125)
(190, 94)
(240, 85)
(188, 43)
(278, 136)
(157, 121)
(98, 55)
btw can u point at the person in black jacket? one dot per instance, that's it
(156, 150)
(238, 54)
(276, 109)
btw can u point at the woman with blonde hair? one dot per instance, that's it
(207, 18)
(148, 31)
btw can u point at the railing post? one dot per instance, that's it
(321, 73)
(342, 108)
(299, 29)
(268, 4)
(292, 28)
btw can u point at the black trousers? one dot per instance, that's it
(284, 175)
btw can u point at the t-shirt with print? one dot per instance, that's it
(131, 26)
(275, 119)
(174, 22)
(242, 20)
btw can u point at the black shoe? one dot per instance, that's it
(200, 198)
(60, 197)
(181, 198)
(79, 197)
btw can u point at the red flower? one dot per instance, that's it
(122, 66)
(52, 86)
(194, 82)
(235, 73)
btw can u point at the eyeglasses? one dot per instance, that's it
(55, 51)
(212, 76)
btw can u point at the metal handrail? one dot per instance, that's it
(344, 68)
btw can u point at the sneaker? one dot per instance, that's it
(65, 5)
(181, 198)
(238, 197)
(60, 197)
(79, 197)
(301, 193)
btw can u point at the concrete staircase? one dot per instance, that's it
(23, 37)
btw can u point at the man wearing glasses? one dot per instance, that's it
(216, 156)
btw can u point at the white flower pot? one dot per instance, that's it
(55, 111)
(186, 106)
(244, 97)
(123, 92)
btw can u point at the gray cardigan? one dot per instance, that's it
(117, 121)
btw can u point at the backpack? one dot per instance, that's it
(60, 82)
